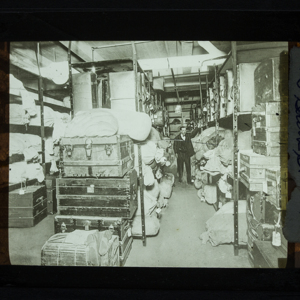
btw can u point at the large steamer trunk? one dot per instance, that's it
(28, 209)
(63, 224)
(267, 79)
(86, 248)
(97, 156)
(106, 197)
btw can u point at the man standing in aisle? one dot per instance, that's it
(184, 149)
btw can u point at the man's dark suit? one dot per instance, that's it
(184, 149)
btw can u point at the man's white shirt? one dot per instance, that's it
(183, 137)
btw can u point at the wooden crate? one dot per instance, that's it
(253, 165)
(108, 156)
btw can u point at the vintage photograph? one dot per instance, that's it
(147, 153)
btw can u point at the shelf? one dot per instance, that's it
(14, 99)
(244, 121)
(36, 130)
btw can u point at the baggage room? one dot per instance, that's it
(147, 153)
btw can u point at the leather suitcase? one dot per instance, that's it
(107, 197)
(245, 81)
(51, 201)
(59, 251)
(267, 81)
(97, 157)
(85, 94)
(64, 224)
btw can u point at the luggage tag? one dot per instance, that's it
(228, 195)
(158, 210)
(91, 189)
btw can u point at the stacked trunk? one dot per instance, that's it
(263, 172)
(98, 189)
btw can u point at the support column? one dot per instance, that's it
(235, 149)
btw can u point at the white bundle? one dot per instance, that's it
(20, 171)
(94, 122)
(16, 87)
(150, 203)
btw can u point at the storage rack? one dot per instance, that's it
(43, 130)
(129, 64)
(239, 119)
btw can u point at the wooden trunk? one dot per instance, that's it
(28, 209)
(58, 251)
(71, 223)
(51, 201)
(104, 157)
(267, 78)
(26, 222)
(107, 197)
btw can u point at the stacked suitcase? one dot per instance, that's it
(269, 138)
(98, 188)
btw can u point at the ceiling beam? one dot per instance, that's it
(176, 62)
(211, 49)
(187, 50)
(82, 50)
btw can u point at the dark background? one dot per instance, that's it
(50, 22)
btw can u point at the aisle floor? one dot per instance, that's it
(177, 244)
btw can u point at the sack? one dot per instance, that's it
(152, 226)
(210, 193)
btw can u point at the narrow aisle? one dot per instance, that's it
(178, 243)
